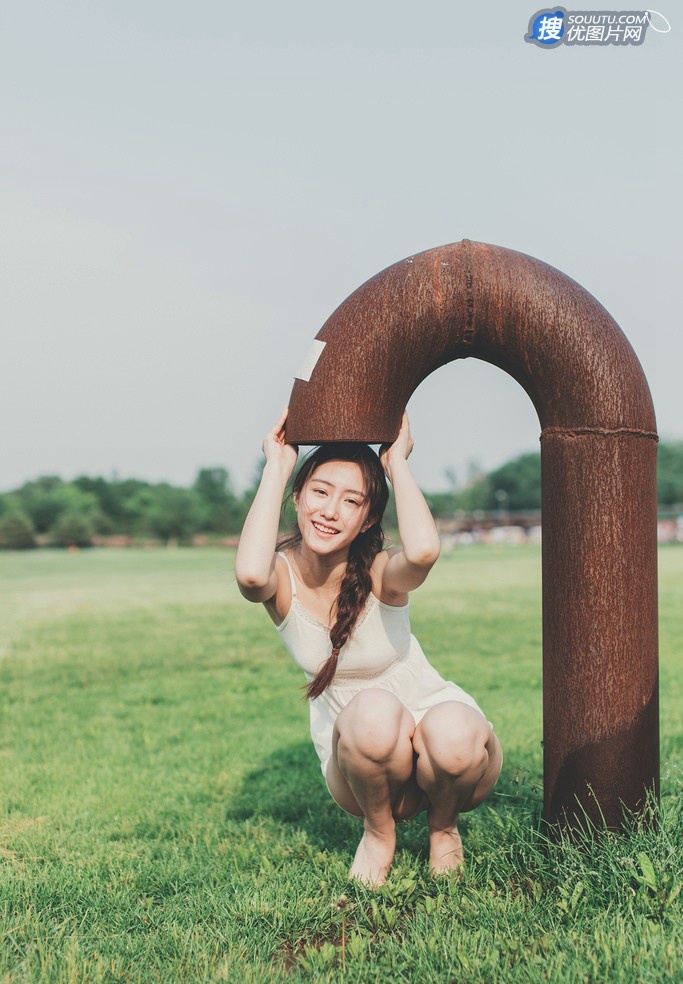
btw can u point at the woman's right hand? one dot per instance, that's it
(400, 449)
(275, 448)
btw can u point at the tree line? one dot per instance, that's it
(50, 510)
(516, 485)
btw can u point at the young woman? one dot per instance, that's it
(393, 737)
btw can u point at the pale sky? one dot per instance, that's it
(190, 190)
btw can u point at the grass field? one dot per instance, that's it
(164, 817)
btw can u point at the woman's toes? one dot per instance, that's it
(373, 858)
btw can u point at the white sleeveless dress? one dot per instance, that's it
(381, 652)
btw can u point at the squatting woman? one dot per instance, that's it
(393, 737)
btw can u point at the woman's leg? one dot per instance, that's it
(370, 772)
(459, 760)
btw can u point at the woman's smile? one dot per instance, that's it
(332, 505)
(324, 530)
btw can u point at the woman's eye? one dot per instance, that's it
(320, 491)
(352, 501)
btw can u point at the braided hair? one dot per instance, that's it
(356, 583)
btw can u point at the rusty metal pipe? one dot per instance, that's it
(598, 451)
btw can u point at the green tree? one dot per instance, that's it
(134, 500)
(107, 495)
(443, 503)
(16, 531)
(47, 498)
(174, 514)
(136, 509)
(520, 480)
(670, 473)
(70, 499)
(39, 500)
(223, 510)
(478, 496)
(72, 529)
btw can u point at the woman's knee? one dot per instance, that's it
(456, 739)
(373, 724)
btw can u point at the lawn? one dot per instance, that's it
(164, 817)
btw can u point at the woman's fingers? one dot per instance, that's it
(280, 425)
(278, 429)
(404, 443)
(275, 445)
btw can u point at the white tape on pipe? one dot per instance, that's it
(311, 360)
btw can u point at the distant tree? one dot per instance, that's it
(72, 529)
(16, 531)
(135, 499)
(40, 501)
(72, 500)
(670, 473)
(9, 502)
(174, 514)
(107, 495)
(47, 498)
(136, 509)
(520, 480)
(443, 503)
(477, 496)
(224, 511)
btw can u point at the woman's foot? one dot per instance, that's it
(373, 858)
(445, 851)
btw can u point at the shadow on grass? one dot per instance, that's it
(289, 788)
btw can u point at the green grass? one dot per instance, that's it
(164, 817)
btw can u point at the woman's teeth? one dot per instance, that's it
(326, 530)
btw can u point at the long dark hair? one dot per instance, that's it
(356, 584)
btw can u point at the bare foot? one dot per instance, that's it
(373, 858)
(445, 851)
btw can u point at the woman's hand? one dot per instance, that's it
(399, 450)
(276, 450)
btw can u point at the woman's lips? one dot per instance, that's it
(324, 530)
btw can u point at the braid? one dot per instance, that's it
(356, 584)
(354, 591)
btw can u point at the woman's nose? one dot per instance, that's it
(329, 509)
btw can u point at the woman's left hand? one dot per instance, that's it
(399, 450)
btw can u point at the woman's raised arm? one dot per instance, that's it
(255, 558)
(407, 569)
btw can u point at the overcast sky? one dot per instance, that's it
(190, 189)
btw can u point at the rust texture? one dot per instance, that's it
(598, 451)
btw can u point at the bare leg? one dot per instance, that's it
(371, 766)
(459, 760)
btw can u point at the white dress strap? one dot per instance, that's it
(282, 554)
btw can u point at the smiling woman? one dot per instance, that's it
(340, 494)
(393, 736)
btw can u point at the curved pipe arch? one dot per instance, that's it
(598, 457)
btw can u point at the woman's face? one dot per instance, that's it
(333, 507)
